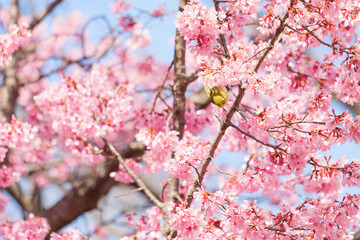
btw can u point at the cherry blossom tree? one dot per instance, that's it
(93, 118)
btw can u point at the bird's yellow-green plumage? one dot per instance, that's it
(217, 95)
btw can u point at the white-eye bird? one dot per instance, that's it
(217, 95)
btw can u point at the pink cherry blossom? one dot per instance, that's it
(32, 228)
(69, 234)
(10, 42)
(120, 6)
(3, 201)
(122, 176)
(199, 25)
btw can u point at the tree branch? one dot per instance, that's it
(227, 121)
(324, 43)
(9, 90)
(87, 193)
(275, 147)
(224, 125)
(180, 84)
(162, 86)
(43, 14)
(14, 12)
(137, 180)
(222, 39)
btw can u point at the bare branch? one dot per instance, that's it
(130, 192)
(319, 80)
(318, 39)
(222, 39)
(221, 171)
(137, 180)
(193, 76)
(14, 12)
(312, 162)
(86, 194)
(255, 54)
(324, 43)
(275, 147)
(162, 86)
(9, 90)
(224, 125)
(44, 13)
(356, 236)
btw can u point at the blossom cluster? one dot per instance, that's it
(140, 36)
(32, 228)
(200, 25)
(90, 107)
(314, 219)
(12, 41)
(14, 135)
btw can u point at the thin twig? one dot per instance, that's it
(324, 43)
(248, 163)
(128, 193)
(283, 229)
(318, 39)
(241, 114)
(255, 54)
(197, 172)
(193, 76)
(304, 74)
(87, 24)
(220, 171)
(222, 39)
(44, 13)
(168, 122)
(311, 162)
(137, 180)
(275, 147)
(164, 101)
(289, 124)
(162, 86)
